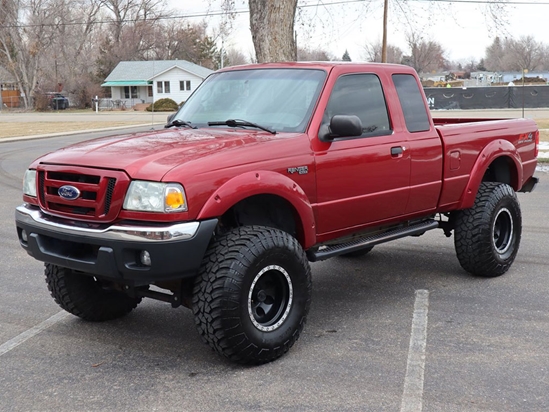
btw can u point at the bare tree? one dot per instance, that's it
(235, 58)
(373, 53)
(272, 26)
(124, 12)
(306, 54)
(426, 55)
(134, 32)
(527, 53)
(68, 58)
(28, 28)
(186, 41)
(516, 55)
(545, 53)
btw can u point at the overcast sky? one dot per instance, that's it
(462, 28)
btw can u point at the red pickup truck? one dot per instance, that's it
(265, 168)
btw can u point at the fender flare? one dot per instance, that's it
(492, 151)
(262, 182)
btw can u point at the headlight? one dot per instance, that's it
(29, 183)
(155, 197)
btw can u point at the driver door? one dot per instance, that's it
(361, 180)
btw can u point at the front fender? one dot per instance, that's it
(260, 183)
(492, 151)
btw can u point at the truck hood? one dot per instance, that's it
(152, 154)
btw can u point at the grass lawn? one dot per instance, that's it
(543, 134)
(17, 129)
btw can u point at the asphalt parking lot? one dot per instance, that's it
(403, 328)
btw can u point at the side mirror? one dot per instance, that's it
(170, 117)
(340, 126)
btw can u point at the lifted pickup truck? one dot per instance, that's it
(265, 168)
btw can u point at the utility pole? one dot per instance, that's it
(523, 72)
(222, 51)
(384, 40)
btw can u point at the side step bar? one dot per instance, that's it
(364, 242)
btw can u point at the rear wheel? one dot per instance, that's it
(86, 296)
(487, 236)
(253, 293)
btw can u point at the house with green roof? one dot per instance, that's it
(133, 82)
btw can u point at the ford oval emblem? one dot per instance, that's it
(68, 192)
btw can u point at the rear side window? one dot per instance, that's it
(411, 100)
(360, 95)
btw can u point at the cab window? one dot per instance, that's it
(411, 101)
(360, 95)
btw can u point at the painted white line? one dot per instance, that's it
(19, 339)
(412, 397)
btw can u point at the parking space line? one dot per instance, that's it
(412, 397)
(22, 337)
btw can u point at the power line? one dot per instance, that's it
(243, 11)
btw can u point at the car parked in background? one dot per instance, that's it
(58, 101)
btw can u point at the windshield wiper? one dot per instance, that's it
(179, 123)
(238, 122)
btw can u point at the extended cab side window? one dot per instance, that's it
(411, 100)
(360, 95)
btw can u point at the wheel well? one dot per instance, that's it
(501, 170)
(264, 210)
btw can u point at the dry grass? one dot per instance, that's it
(16, 129)
(542, 123)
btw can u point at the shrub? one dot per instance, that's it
(163, 105)
(41, 102)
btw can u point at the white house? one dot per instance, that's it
(136, 82)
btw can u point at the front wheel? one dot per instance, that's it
(87, 297)
(253, 293)
(487, 236)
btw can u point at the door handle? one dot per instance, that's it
(397, 150)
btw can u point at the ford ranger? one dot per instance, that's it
(264, 169)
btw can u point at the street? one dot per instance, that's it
(485, 340)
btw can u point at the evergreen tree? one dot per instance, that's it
(346, 57)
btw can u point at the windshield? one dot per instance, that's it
(278, 99)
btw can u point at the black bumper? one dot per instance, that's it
(113, 252)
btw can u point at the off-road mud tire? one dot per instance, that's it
(253, 294)
(487, 236)
(85, 296)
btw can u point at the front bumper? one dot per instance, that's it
(113, 251)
